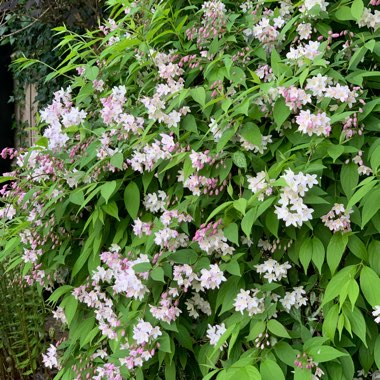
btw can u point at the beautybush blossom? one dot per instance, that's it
(202, 173)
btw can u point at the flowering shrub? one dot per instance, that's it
(203, 201)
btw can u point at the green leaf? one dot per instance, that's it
(242, 108)
(85, 327)
(83, 256)
(170, 370)
(338, 281)
(239, 159)
(281, 111)
(270, 370)
(277, 329)
(132, 199)
(376, 351)
(240, 205)
(89, 337)
(111, 209)
(286, 353)
(306, 253)
(318, 256)
(184, 256)
(70, 305)
(370, 285)
(272, 222)
(58, 293)
(157, 274)
(364, 189)
(349, 178)
(227, 294)
(252, 134)
(375, 159)
(117, 160)
(244, 373)
(373, 256)
(233, 267)
(238, 75)
(353, 292)
(107, 190)
(190, 124)
(199, 95)
(357, 57)
(275, 63)
(184, 338)
(357, 247)
(371, 206)
(77, 197)
(343, 13)
(226, 137)
(335, 250)
(330, 322)
(357, 8)
(231, 232)
(302, 373)
(164, 341)
(357, 322)
(142, 267)
(325, 353)
(256, 328)
(335, 151)
(218, 210)
(91, 72)
(248, 220)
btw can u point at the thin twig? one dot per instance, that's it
(25, 27)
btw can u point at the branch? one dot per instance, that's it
(25, 27)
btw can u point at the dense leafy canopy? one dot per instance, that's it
(203, 201)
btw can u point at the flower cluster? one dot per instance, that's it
(292, 210)
(265, 140)
(146, 158)
(211, 278)
(195, 304)
(260, 185)
(362, 169)
(337, 219)
(50, 359)
(168, 310)
(311, 124)
(186, 137)
(213, 23)
(294, 299)
(252, 303)
(215, 332)
(61, 114)
(303, 53)
(370, 19)
(274, 271)
(211, 239)
(144, 332)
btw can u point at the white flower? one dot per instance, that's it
(273, 270)
(253, 304)
(215, 332)
(144, 331)
(211, 278)
(59, 315)
(155, 202)
(50, 359)
(376, 313)
(292, 209)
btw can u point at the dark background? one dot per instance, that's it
(6, 108)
